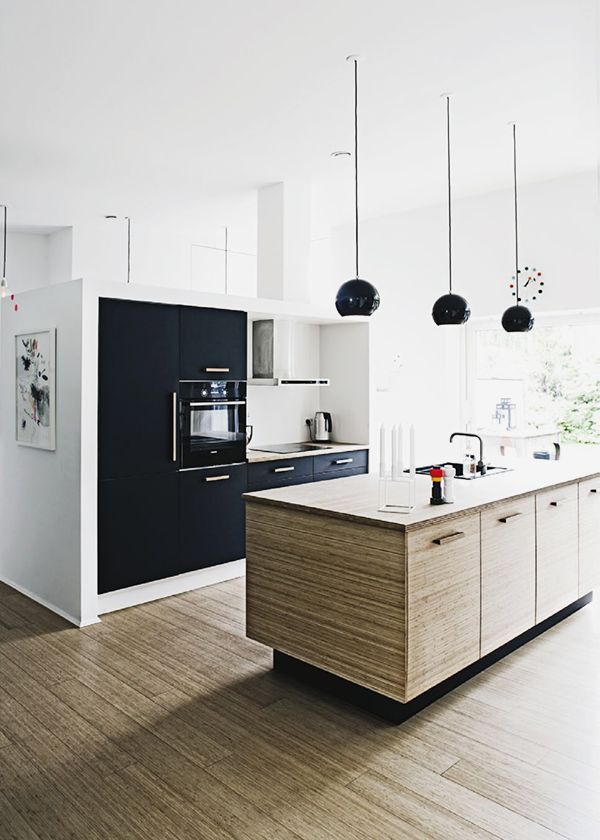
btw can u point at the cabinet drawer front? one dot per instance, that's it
(327, 476)
(443, 601)
(589, 535)
(557, 549)
(507, 572)
(267, 474)
(340, 461)
(211, 516)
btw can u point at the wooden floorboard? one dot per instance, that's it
(164, 722)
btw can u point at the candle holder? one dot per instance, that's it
(397, 495)
(396, 487)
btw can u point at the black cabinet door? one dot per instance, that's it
(212, 516)
(138, 530)
(138, 376)
(213, 343)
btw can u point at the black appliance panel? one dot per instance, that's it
(212, 423)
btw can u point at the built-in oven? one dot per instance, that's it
(212, 423)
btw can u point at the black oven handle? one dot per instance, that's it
(216, 402)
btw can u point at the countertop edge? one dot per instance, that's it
(414, 526)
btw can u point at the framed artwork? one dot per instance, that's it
(36, 388)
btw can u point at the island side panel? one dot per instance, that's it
(443, 601)
(328, 592)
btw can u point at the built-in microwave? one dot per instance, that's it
(212, 423)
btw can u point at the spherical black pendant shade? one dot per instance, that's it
(450, 309)
(357, 297)
(517, 319)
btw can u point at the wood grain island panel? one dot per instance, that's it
(408, 606)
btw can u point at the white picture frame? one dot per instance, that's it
(35, 388)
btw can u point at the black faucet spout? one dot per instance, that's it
(480, 466)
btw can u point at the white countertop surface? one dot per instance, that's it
(255, 457)
(357, 498)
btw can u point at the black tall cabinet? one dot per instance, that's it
(153, 520)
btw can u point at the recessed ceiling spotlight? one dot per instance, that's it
(341, 154)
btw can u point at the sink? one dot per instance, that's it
(491, 470)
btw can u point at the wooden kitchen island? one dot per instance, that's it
(391, 611)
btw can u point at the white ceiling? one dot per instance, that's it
(132, 105)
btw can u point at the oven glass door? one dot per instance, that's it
(213, 433)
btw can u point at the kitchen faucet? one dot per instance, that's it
(481, 467)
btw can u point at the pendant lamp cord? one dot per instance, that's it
(514, 128)
(449, 195)
(356, 161)
(4, 246)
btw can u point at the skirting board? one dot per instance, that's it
(145, 592)
(393, 710)
(52, 607)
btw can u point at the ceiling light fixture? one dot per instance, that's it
(517, 318)
(356, 297)
(450, 308)
(4, 290)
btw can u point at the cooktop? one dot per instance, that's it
(286, 448)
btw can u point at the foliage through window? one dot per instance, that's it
(553, 373)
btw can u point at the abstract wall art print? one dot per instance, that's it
(36, 388)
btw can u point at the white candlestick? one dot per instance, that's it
(412, 451)
(382, 434)
(394, 453)
(400, 451)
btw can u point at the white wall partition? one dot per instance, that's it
(40, 490)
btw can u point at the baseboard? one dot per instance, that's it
(156, 589)
(52, 607)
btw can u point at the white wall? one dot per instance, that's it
(25, 261)
(416, 365)
(36, 259)
(40, 490)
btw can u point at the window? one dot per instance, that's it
(545, 380)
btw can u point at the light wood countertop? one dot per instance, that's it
(255, 456)
(356, 498)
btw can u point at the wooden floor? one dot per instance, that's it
(164, 722)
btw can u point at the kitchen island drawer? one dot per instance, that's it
(557, 551)
(280, 472)
(327, 466)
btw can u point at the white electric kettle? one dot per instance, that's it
(321, 427)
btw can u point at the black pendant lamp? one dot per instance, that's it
(450, 308)
(517, 318)
(356, 297)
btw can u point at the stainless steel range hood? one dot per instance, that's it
(285, 352)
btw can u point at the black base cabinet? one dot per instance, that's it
(268, 475)
(137, 533)
(212, 516)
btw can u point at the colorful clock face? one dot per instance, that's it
(531, 285)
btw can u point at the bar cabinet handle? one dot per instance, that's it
(556, 503)
(509, 517)
(216, 370)
(450, 538)
(174, 426)
(344, 460)
(593, 490)
(216, 478)
(284, 469)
